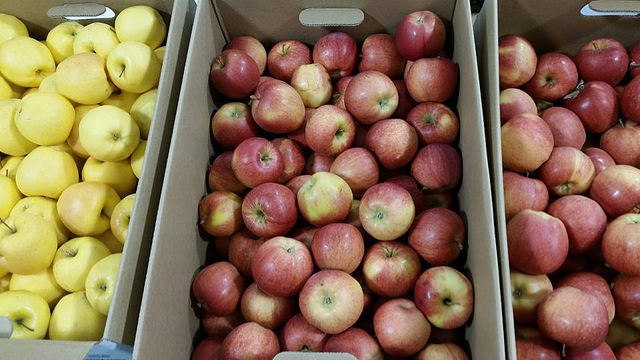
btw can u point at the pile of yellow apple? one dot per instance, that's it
(75, 113)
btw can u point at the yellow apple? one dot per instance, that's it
(29, 91)
(141, 23)
(25, 61)
(9, 166)
(74, 137)
(5, 281)
(46, 162)
(133, 67)
(121, 217)
(60, 40)
(45, 118)
(114, 245)
(42, 283)
(121, 99)
(83, 79)
(74, 259)
(74, 319)
(160, 53)
(85, 208)
(48, 84)
(137, 158)
(117, 174)
(12, 142)
(9, 195)
(101, 282)
(108, 133)
(11, 27)
(45, 208)
(28, 312)
(66, 148)
(96, 37)
(142, 111)
(27, 244)
(7, 90)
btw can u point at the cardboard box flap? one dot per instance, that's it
(331, 17)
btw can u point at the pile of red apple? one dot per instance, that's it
(570, 153)
(331, 197)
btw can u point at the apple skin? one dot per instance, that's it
(358, 167)
(566, 127)
(573, 317)
(527, 142)
(527, 292)
(517, 61)
(313, 84)
(401, 328)
(432, 79)
(339, 89)
(420, 200)
(394, 141)
(445, 297)
(622, 142)
(337, 52)
(221, 325)
(437, 235)
(434, 123)
(221, 176)
(593, 284)
(597, 106)
(617, 189)
(420, 34)
(234, 74)
(331, 300)
(584, 220)
(324, 199)
(292, 159)
(356, 342)
(437, 167)
(556, 75)
(621, 244)
(299, 335)
(277, 107)
(568, 171)
(338, 246)
(220, 213)
(330, 130)
(218, 287)
(253, 47)
(318, 163)
(256, 161)
(285, 57)
(232, 124)
(250, 341)
(537, 349)
(405, 101)
(626, 294)
(621, 334)
(628, 352)
(386, 211)
(390, 268)
(379, 54)
(521, 192)
(600, 159)
(298, 135)
(208, 349)
(267, 310)
(281, 266)
(444, 351)
(304, 234)
(242, 246)
(602, 59)
(296, 183)
(537, 242)
(602, 352)
(514, 101)
(371, 96)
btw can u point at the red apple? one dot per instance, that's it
(304, 234)
(604, 60)
(600, 159)
(337, 52)
(602, 352)
(437, 235)
(626, 294)
(621, 334)
(281, 266)
(593, 284)
(621, 244)
(521, 192)
(617, 190)
(220, 213)
(566, 127)
(634, 65)
(256, 161)
(267, 310)
(296, 183)
(234, 74)
(622, 142)
(394, 142)
(371, 96)
(356, 342)
(298, 135)
(330, 130)
(318, 163)
(527, 292)
(517, 61)
(532, 345)
(437, 167)
(573, 317)
(386, 211)
(584, 220)
(440, 199)
(405, 101)
(527, 142)
(568, 171)
(420, 200)
(277, 107)
(269, 210)
(420, 34)
(596, 105)
(217, 288)
(432, 79)
(292, 159)
(285, 57)
(445, 351)
(400, 327)
(391, 268)
(221, 176)
(331, 300)
(221, 325)
(250, 341)
(208, 349)
(354, 215)
(434, 123)
(358, 167)
(538, 242)
(232, 124)
(252, 47)
(514, 101)
(445, 297)
(629, 352)
(337, 246)
(379, 54)
(324, 199)
(299, 335)
(337, 98)
(556, 75)
(242, 246)
(313, 84)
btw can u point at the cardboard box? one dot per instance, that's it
(167, 325)
(123, 314)
(550, 26)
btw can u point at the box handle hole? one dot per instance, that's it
(611, 8)
(76, 12)
(319, 17)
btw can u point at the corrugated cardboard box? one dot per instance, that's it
(123, 315)
(167, 325)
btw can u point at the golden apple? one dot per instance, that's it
(45, 118)
(27, 244)
(11, 27)
(74, 259)
(45, 208)
(141, 23)
(42, 283)
(75, 319)
(29, 91)
(137, 158)
(142, 111)
(160, 53)
(121, 99)
(8, 90)
(48, 85)
(97, 37)
(114, 245)
(85, 208)
(108, 133)
(74, 137)
(101, 282)
(83, 79)
(12, 142)
(5, 281)
(46, 162)
(25, 61)
(28, 312)
(66, 148)
(9, 196)
(117, 174)
(60, 40)
(133, 67)
(121, 217)
(9, 166)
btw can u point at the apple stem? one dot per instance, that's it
(564, 351)
(575, 92)
(634, 64)
(621, 122)
(8, 226)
